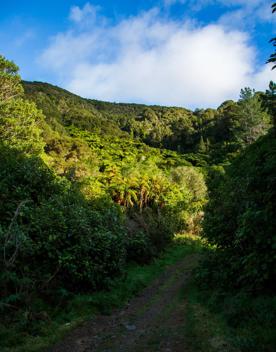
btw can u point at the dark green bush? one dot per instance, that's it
(51, 237)
(82, 243)
(139, 247)
(240, 219)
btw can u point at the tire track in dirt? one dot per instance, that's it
(153, 321)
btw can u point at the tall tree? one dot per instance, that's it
(19, 119)
(10, 86)
(249, 120)
(270, 101)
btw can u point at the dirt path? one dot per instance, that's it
(153, 321)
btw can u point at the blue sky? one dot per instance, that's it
(169, 52)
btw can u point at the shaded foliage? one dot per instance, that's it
(240, 219)
(50, 235)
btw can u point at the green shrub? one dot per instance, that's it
(52, 237)
(139, 247)
(240, 218)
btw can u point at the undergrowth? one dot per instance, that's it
(229, 321)
(37, 334)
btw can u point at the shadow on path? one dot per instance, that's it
(153, 321)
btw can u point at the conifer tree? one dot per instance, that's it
(249, 120)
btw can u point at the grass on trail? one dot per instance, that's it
(205, 331)
(25, 338)
(219, 321)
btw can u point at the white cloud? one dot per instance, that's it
(248, 14)
(152, 60)
(261, 79)
(78, 14)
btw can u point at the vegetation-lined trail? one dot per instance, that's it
(93, 197)
(153, 321)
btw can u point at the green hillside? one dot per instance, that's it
(205, 136)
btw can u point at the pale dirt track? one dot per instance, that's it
(153, 321)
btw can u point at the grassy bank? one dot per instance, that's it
(229, 321)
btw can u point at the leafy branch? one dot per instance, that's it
(12, 237)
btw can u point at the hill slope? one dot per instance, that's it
(205, 136)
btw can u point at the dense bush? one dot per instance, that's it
(240, 219)
(50, 235)
(138, 246)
